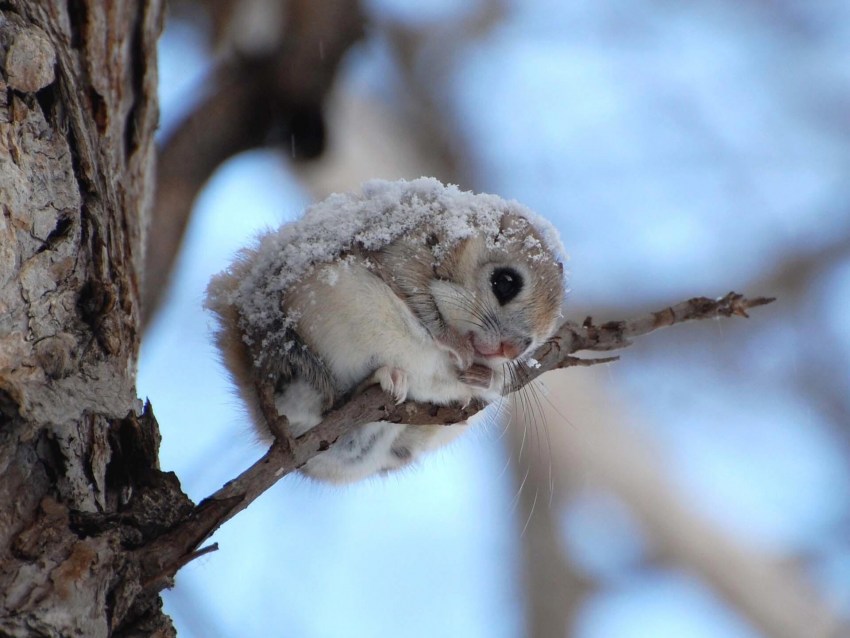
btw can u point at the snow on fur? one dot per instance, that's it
(382, 212)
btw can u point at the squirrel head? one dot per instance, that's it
(500, 295)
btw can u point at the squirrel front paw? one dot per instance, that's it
(393, 381)
(458, 346)
(477, 376)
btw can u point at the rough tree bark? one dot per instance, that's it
(78, 480)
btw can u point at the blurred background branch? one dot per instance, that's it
(678, 149)
(270, 93)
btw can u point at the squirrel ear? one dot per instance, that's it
(446, 295)
(444, 290)
(446, 269)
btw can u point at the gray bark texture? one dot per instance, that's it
(80, 490)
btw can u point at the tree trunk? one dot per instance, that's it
(79, 484)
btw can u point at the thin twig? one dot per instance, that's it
(167, 554)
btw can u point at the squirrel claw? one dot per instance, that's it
(393, 381)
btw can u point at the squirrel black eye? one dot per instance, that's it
(506, 284)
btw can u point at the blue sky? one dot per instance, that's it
(681, 150)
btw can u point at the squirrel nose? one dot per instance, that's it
(513, 349)
(509, 350)
(506, 348)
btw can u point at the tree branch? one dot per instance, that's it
(163, 557)
(272, 98)
(604, 451)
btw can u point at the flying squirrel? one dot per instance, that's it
(434, 293)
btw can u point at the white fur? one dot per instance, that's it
(302, 406)
(359, 325)
(351, 311)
